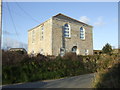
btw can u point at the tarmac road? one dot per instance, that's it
(81, 81)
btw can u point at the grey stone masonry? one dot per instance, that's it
(59, 35)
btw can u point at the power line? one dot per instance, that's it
(13, 21)
(27, 13)
(12, 12)
(24, 12)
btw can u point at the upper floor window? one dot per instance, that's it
(42, 28)
(67, 30)
(82, 33)
(42, 33)
(33, 36)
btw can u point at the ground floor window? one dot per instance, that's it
(74, 49)
(62, 51)
(86, 52)
(41, 51)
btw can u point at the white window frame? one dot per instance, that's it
(82, 33)
(41, 51)
(67, 31)
(86, 52)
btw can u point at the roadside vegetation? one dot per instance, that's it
(109, 76)
(19, 67)
(108, 70)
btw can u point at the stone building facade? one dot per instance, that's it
(61, 34)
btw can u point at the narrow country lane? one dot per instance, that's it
(81, 81)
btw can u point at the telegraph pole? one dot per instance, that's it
(0, 22)
(0, 43)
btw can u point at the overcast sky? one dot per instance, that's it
(19, 17)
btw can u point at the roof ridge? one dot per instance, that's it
(71, 18)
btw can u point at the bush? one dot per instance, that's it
(107, 49)
(10, 58)
(19, 68)
(108, 71)
(70, 56)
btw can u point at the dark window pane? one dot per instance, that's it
(66, 25)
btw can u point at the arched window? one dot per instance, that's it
(67, 32)
(82, 33)
(74, 49)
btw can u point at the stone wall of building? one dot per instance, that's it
(57, 36)
(74, 40)
(49, 38)
(40, 39)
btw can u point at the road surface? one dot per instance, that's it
(81, 81)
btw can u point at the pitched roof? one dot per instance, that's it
(60, 14)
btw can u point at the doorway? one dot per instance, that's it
(74, 49)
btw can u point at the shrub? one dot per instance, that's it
(10, 58)
(107, 49)
(108, 72)
(70, 56)
(19, 68)
(109, 78)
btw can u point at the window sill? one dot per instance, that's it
(68, 37)
(83, 39)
